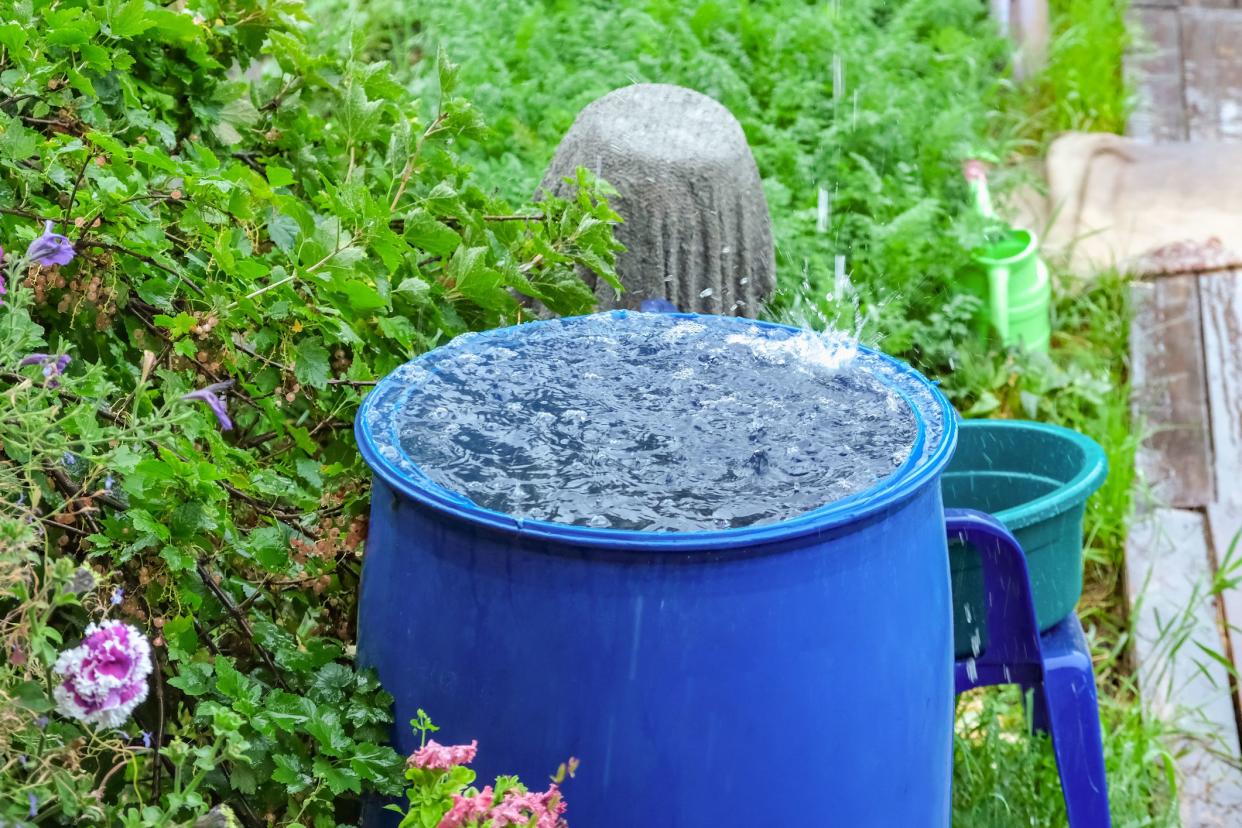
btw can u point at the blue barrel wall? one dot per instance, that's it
(798, 673)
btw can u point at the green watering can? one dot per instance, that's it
(1010, 279)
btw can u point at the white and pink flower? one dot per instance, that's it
(105, 676)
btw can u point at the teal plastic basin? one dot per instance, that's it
(1036, 479)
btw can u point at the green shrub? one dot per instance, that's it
(247, 202)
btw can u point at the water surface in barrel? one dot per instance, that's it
(649, 422)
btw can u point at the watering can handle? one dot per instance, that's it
(1013, 635)
(998, 300)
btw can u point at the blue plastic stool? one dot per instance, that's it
(1055, 666)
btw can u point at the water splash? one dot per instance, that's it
(660, 423)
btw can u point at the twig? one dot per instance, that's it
(247, 350)
(70, 489)
(142, 257)
(291, 86)
(240, 618)
(73, 194)
(159, 726)
(99, 791)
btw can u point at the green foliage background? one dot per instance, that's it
(249, 200)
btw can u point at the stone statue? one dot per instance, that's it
(696, 231)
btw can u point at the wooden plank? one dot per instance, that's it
(1210, 4)
(1155, 67)
(1220, 296)
(1212, 61)
(1168, 575)
(1170, 392)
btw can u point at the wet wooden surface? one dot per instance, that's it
(1212, 57)
(1159, 112)
(1168, 560)
(1170, 392)
(1220, 296)
(1182, 570)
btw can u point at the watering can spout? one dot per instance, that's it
(977, 178)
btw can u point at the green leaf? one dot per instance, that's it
(32, 696)
(325, 727)
(372, 761)
(311, 366)
(286, 711)
(339, 777)
(428, 233)
(193, 679)
(12, 36)
(279, 176)
(180, 637)
(291, 772)
(128, 19)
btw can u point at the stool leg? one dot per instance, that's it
(1073, 718)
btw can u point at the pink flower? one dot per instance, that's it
(974, 170)
(434, 756)
(105, 676)
(467, 809)
(519, 808)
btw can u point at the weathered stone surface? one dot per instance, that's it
(697, 229)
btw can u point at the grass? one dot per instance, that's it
(876, 104)
(1084, 87)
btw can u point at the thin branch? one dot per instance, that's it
(96, 242)
(73, 194)
(241, 621)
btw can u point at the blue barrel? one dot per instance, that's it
(795, 673)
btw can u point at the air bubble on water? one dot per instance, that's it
(745, 280)
(598, 521)
(976, 643)
(972, 670)
(705, 292)
(967, 609)
(683, 329)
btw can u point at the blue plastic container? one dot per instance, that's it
(793, 673)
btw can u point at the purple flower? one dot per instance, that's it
(50, 248)
(105, 676)
(41, 722)
(53, 365)
(118, 595)
(34, 804)
(213, 395)
(146, 739)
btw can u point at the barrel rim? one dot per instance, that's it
(886, 492)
